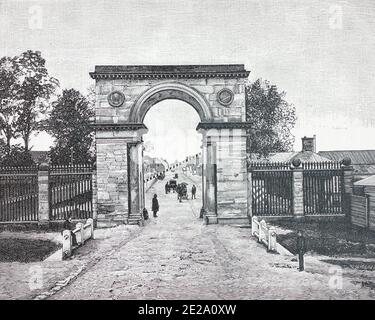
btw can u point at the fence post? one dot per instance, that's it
(254, 224)
(262, 231)
(94, 197)
(43, 194)
(347, 186)
(249, 194)
(297, 185)
(272, 242)
(67, 244)
(91, 222)
(79, 235)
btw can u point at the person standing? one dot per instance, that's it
(166, 188)
(193, 191)
(178, 190)
(155, 205)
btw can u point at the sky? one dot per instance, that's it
(321, 53)
(171, 137)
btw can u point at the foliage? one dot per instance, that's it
(9, 73)
(2, 148)
(69, 124)
(271, 119)
(16, 156)
(34, 91)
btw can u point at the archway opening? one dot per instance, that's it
(173, 151)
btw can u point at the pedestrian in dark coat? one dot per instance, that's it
(155, 205)
(167, 188)
(179, 192)
(193, 191)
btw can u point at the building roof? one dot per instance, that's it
(147, 158)
(154, 161)
(304, 156)
(370, 181)
(39, 156)
(358, 157)
(363, 161)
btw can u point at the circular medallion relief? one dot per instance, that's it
(116, 98)
(225, 97)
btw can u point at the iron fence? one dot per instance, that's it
(70, 192)
(18, 194)
(322, 188)
(272, 189)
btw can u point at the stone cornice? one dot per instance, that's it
(170, 72)
(118, 126)
(133, 126)
(223, 125)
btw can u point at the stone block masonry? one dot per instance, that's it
(119, 128)
(297, 192)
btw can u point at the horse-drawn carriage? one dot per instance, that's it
(172, 185)
(182, 191)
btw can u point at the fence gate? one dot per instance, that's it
(70, 192)
(272, 191)
(18, 194)
(322, 188)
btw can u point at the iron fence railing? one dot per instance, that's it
(70, 192)
(18, 194)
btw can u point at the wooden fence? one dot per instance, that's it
(360, 211)
(265, 234)
(272, 192)
(363, 206)
(18, 194)
(70, 192)
(81, 233)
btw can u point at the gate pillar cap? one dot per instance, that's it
(346, 162)
(44, 166)
(296, 162)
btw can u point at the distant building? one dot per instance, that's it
(365, 186)
(307, 154)
(154, 165)
(363, 161)
(40, 156)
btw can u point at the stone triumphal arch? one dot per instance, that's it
(124, 96)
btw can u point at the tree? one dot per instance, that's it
(69, 125)
(35, 89)
(9, 85)
(16, 157)
(271, 119)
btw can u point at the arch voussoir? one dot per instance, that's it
(170, 90)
